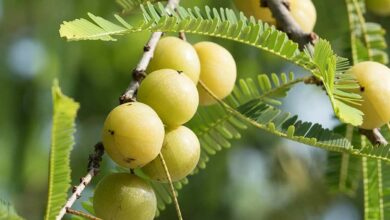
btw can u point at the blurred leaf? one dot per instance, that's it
(130, 5)
(62, 141)
(367, 38)
(7, 212)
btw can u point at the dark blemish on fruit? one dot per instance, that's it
(179, 71)
(129, 104)
(111, 132)
(362, 88)
(129, 160)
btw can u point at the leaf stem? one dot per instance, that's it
(173, 192)
(81, 214)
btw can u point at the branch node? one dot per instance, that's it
(146, 48)
(139, 75)
(374, 136)
(287, 4)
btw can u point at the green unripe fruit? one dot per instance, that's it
(123, 196)
(177, 54)
(133, 134)
(374, 80)
(171, 94)
(218, 71)
(303, 11)
(181, 152)
(379, 7)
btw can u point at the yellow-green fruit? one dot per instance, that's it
(181, 152)
(123, 196)
(133, 134)
(303, 12)
(374, 80)
(218, 71)
(379, 7)
(175, 53)
(171, 94)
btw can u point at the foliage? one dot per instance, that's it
(62, 141)
(367, 43)
(322, 63)
(7, 212)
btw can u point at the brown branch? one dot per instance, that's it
(81, 214)
(374, 136)
(93, 169)
(281, 12)
(139, 72)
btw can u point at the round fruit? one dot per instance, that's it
(303, 12)
(379, 7)
(123, 196)
(133, 134)
(218, 71)
(374, 80)
(175, 53)
(171, 94)
(181, 151)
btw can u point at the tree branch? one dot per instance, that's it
(281, 12)
(93, 169)
(374, 136)
(139, 72)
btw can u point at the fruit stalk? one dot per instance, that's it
(93, 169)
(174, 196)
(82, 214)
(286, 23)
(139, 71)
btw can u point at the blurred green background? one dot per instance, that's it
(261, 177)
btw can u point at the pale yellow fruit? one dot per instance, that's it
(177, 54)
(181, 152)
(133, 134)
(123, 196)
(303, 11)
(171, 94)
(218, 71)
(374, 80)
(379, 7)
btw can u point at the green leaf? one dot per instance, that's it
(224, 23)
(216, 127)
(376, 183)
(337, 83)
(130, 5)
(373, 189)
(344, 171)
(62, 141)
(367, 38)
(7, 211)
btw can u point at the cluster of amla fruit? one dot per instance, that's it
(135, 133)
(303, 11)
